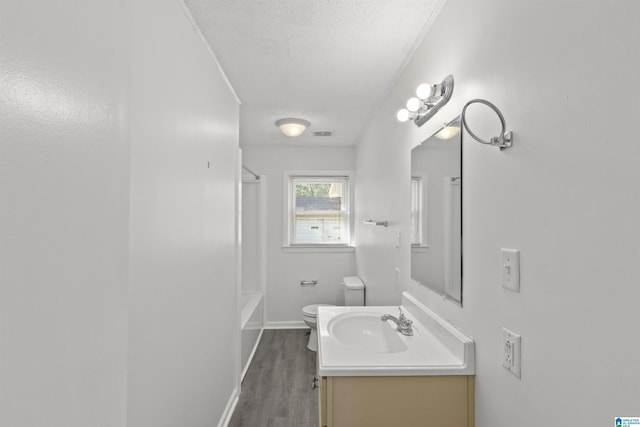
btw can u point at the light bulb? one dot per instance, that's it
(423, 91)
(403, 115)
(413, 104)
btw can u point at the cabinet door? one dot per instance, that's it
(398, 401)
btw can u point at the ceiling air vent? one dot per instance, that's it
(322, 133)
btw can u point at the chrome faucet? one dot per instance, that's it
(404, 324)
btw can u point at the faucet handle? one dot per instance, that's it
(403, 319)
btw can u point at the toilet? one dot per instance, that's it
(309, 313)
(353, 296)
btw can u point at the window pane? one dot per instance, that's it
(416, 211)
(320, 214)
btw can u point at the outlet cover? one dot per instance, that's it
(511, 351)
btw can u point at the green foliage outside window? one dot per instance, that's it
(313, 190)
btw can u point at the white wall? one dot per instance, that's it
(182, 329)
(565, 76)
(285, 296)
(103, 103)
(383, 175)
(64, 171)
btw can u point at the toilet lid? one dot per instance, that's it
(312, 310)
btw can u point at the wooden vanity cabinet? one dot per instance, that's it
(410, 401)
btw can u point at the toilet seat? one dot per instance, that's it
(353, 296)
(312, 309)
(309, 315)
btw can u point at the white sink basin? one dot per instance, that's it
(354, 341)
(366, 331)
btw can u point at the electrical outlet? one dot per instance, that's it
(511, 351)
(510, 269)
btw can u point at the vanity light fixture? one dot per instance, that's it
(292, 127)
(429, 99)
(502, 141)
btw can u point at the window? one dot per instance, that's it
(418, 211)
(318, 210)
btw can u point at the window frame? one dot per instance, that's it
(289, 211)
(420, 206)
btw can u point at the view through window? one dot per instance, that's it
(320, 210)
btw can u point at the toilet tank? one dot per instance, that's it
(353, 290)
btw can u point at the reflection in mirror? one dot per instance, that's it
(436, 212)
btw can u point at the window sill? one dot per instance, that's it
(419, 249)
(317, 249)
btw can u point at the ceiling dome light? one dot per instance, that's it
(292, 127)
(413, 104)
(403, 115)
(423, 91)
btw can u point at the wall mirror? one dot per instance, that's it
(436, 212)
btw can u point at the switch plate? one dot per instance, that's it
(511, 351)
(510, 262)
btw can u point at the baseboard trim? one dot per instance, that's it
(291, 324)
(231, 406)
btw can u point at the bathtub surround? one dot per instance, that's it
(254, 226)
(118, 177)
(253, 274)
(251, 327)
(564, 195)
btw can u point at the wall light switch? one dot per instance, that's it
(510, 261)
(511, 347)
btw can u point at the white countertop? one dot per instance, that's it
(436, 348)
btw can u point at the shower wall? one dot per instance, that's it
(253, 268)
(253, 271)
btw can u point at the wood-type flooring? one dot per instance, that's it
(277, 390)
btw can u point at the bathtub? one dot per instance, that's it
(252, 324)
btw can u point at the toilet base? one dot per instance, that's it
(313, 340)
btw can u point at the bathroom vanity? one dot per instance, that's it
(369, 374)
(396, 401)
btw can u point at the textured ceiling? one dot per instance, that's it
(326, 61)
